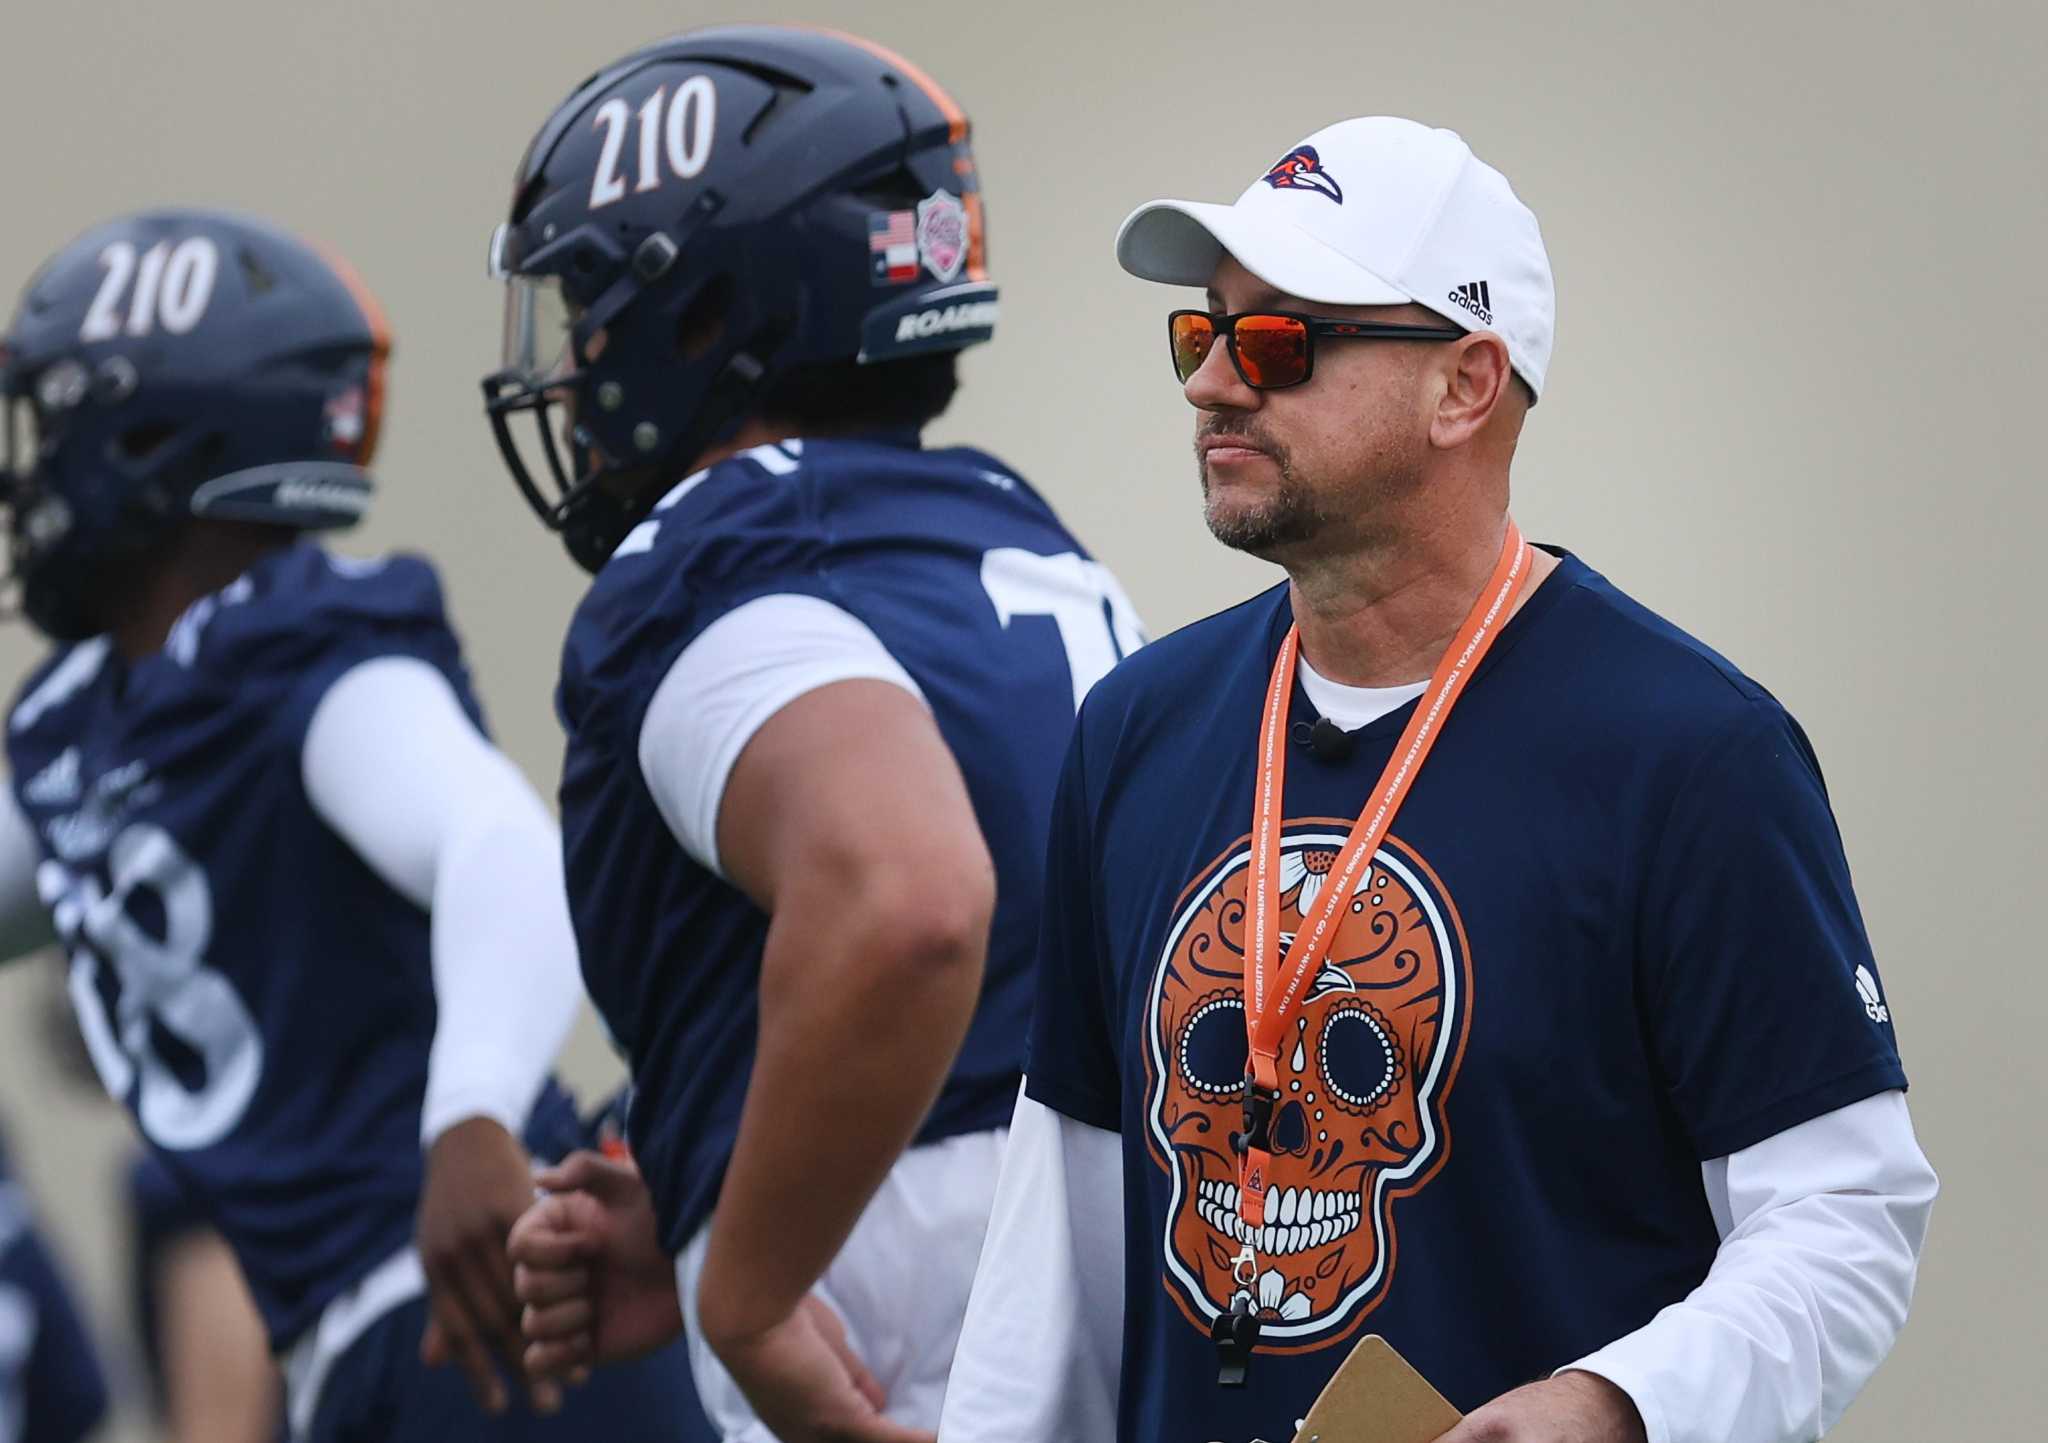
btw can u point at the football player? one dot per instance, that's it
(816, 701)
(318, 938)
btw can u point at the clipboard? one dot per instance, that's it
(1376, 1397)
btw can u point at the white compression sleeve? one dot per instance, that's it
(1821, 1231)
(1041, 1351)
(397, 768)
(24, 921)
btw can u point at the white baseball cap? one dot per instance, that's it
(1371, 212)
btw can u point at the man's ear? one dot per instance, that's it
(1477, 378)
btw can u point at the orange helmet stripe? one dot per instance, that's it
(948, 107)
(380, 346)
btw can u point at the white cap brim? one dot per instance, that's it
(1179, 242)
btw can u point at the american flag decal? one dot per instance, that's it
(892, 246)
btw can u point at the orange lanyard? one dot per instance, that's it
(1267, 1015)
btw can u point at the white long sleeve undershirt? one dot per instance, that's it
(396, 767)
(1821, 1228)
(1041, 1351)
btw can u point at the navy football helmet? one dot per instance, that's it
(174, 364)
(700, 218)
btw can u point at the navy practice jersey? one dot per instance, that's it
(163, 1212)
(993, 609)
(254, 993)
(1610, 936)
(51, 1386)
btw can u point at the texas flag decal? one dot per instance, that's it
(892, 246)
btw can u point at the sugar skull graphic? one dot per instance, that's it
(1364, 1073)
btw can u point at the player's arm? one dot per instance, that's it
(846, 819)
(398, 769)
(24, 920)
(788, 751)
(1041, 1349)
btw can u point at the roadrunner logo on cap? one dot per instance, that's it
(1302, 169)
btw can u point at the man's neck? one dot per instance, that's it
(754, 431)
(1384, 615)
(202, 560)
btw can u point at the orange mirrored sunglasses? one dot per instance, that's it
(1273, 349)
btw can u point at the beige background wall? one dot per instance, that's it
(1800, 255)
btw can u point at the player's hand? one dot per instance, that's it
(1573, 1407)
(478, 1183)
(590, 1271)
(805, 1383)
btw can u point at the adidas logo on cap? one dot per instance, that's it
(1476, 298)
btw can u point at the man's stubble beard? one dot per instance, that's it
(1297, 514)
(1284, 519)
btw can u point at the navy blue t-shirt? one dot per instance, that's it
(986, 601)
(51, 1386)
(1610, 936)
(257, 996)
